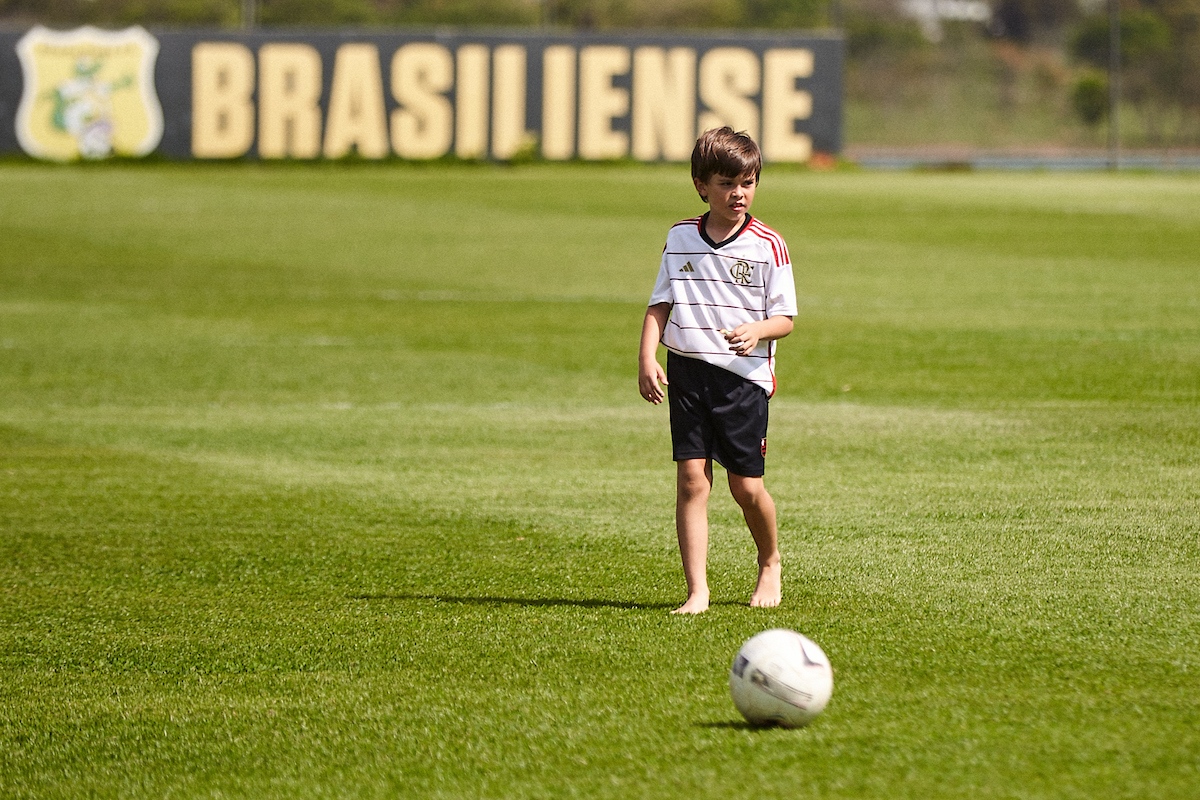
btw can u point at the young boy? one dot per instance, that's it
(724, 294)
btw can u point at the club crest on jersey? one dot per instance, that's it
(88, 93)
(741, 273)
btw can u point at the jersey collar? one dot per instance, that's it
(734, 235)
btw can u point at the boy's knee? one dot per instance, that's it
(748, 492)
(692, 488)
(693, 483)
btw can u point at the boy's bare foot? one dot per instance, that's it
(696, 604)
(768, 592)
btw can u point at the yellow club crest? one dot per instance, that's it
(88, 93)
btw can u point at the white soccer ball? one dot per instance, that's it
(780, 677)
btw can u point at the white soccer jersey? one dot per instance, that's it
(711, 286)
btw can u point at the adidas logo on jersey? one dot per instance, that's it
(687, 267)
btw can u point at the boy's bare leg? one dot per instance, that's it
(759, 510)
(693, 483)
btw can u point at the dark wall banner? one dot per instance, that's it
(413, 94)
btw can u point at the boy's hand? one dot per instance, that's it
(651, 378)
(742, 339)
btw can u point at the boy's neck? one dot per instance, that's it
(718, 229)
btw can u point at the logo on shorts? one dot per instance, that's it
(741, 272)
(763, 449)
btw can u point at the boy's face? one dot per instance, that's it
(728, 198)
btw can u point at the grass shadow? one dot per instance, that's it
(740, 725)
(533, 602)
(732, 725)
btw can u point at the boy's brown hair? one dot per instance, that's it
(722, 151)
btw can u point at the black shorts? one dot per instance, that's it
(716, 414)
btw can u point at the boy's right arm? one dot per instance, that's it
(651, 376)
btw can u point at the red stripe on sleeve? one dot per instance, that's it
(778, 247)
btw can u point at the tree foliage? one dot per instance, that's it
(1144, 36)
(582, 14)
(1159, 52)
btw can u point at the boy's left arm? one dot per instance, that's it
(745, 337)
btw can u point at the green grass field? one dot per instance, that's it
(334, 482)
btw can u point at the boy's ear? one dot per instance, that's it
(699, 184)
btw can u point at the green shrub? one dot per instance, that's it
(1089, 98)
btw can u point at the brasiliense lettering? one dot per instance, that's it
(426, 100)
